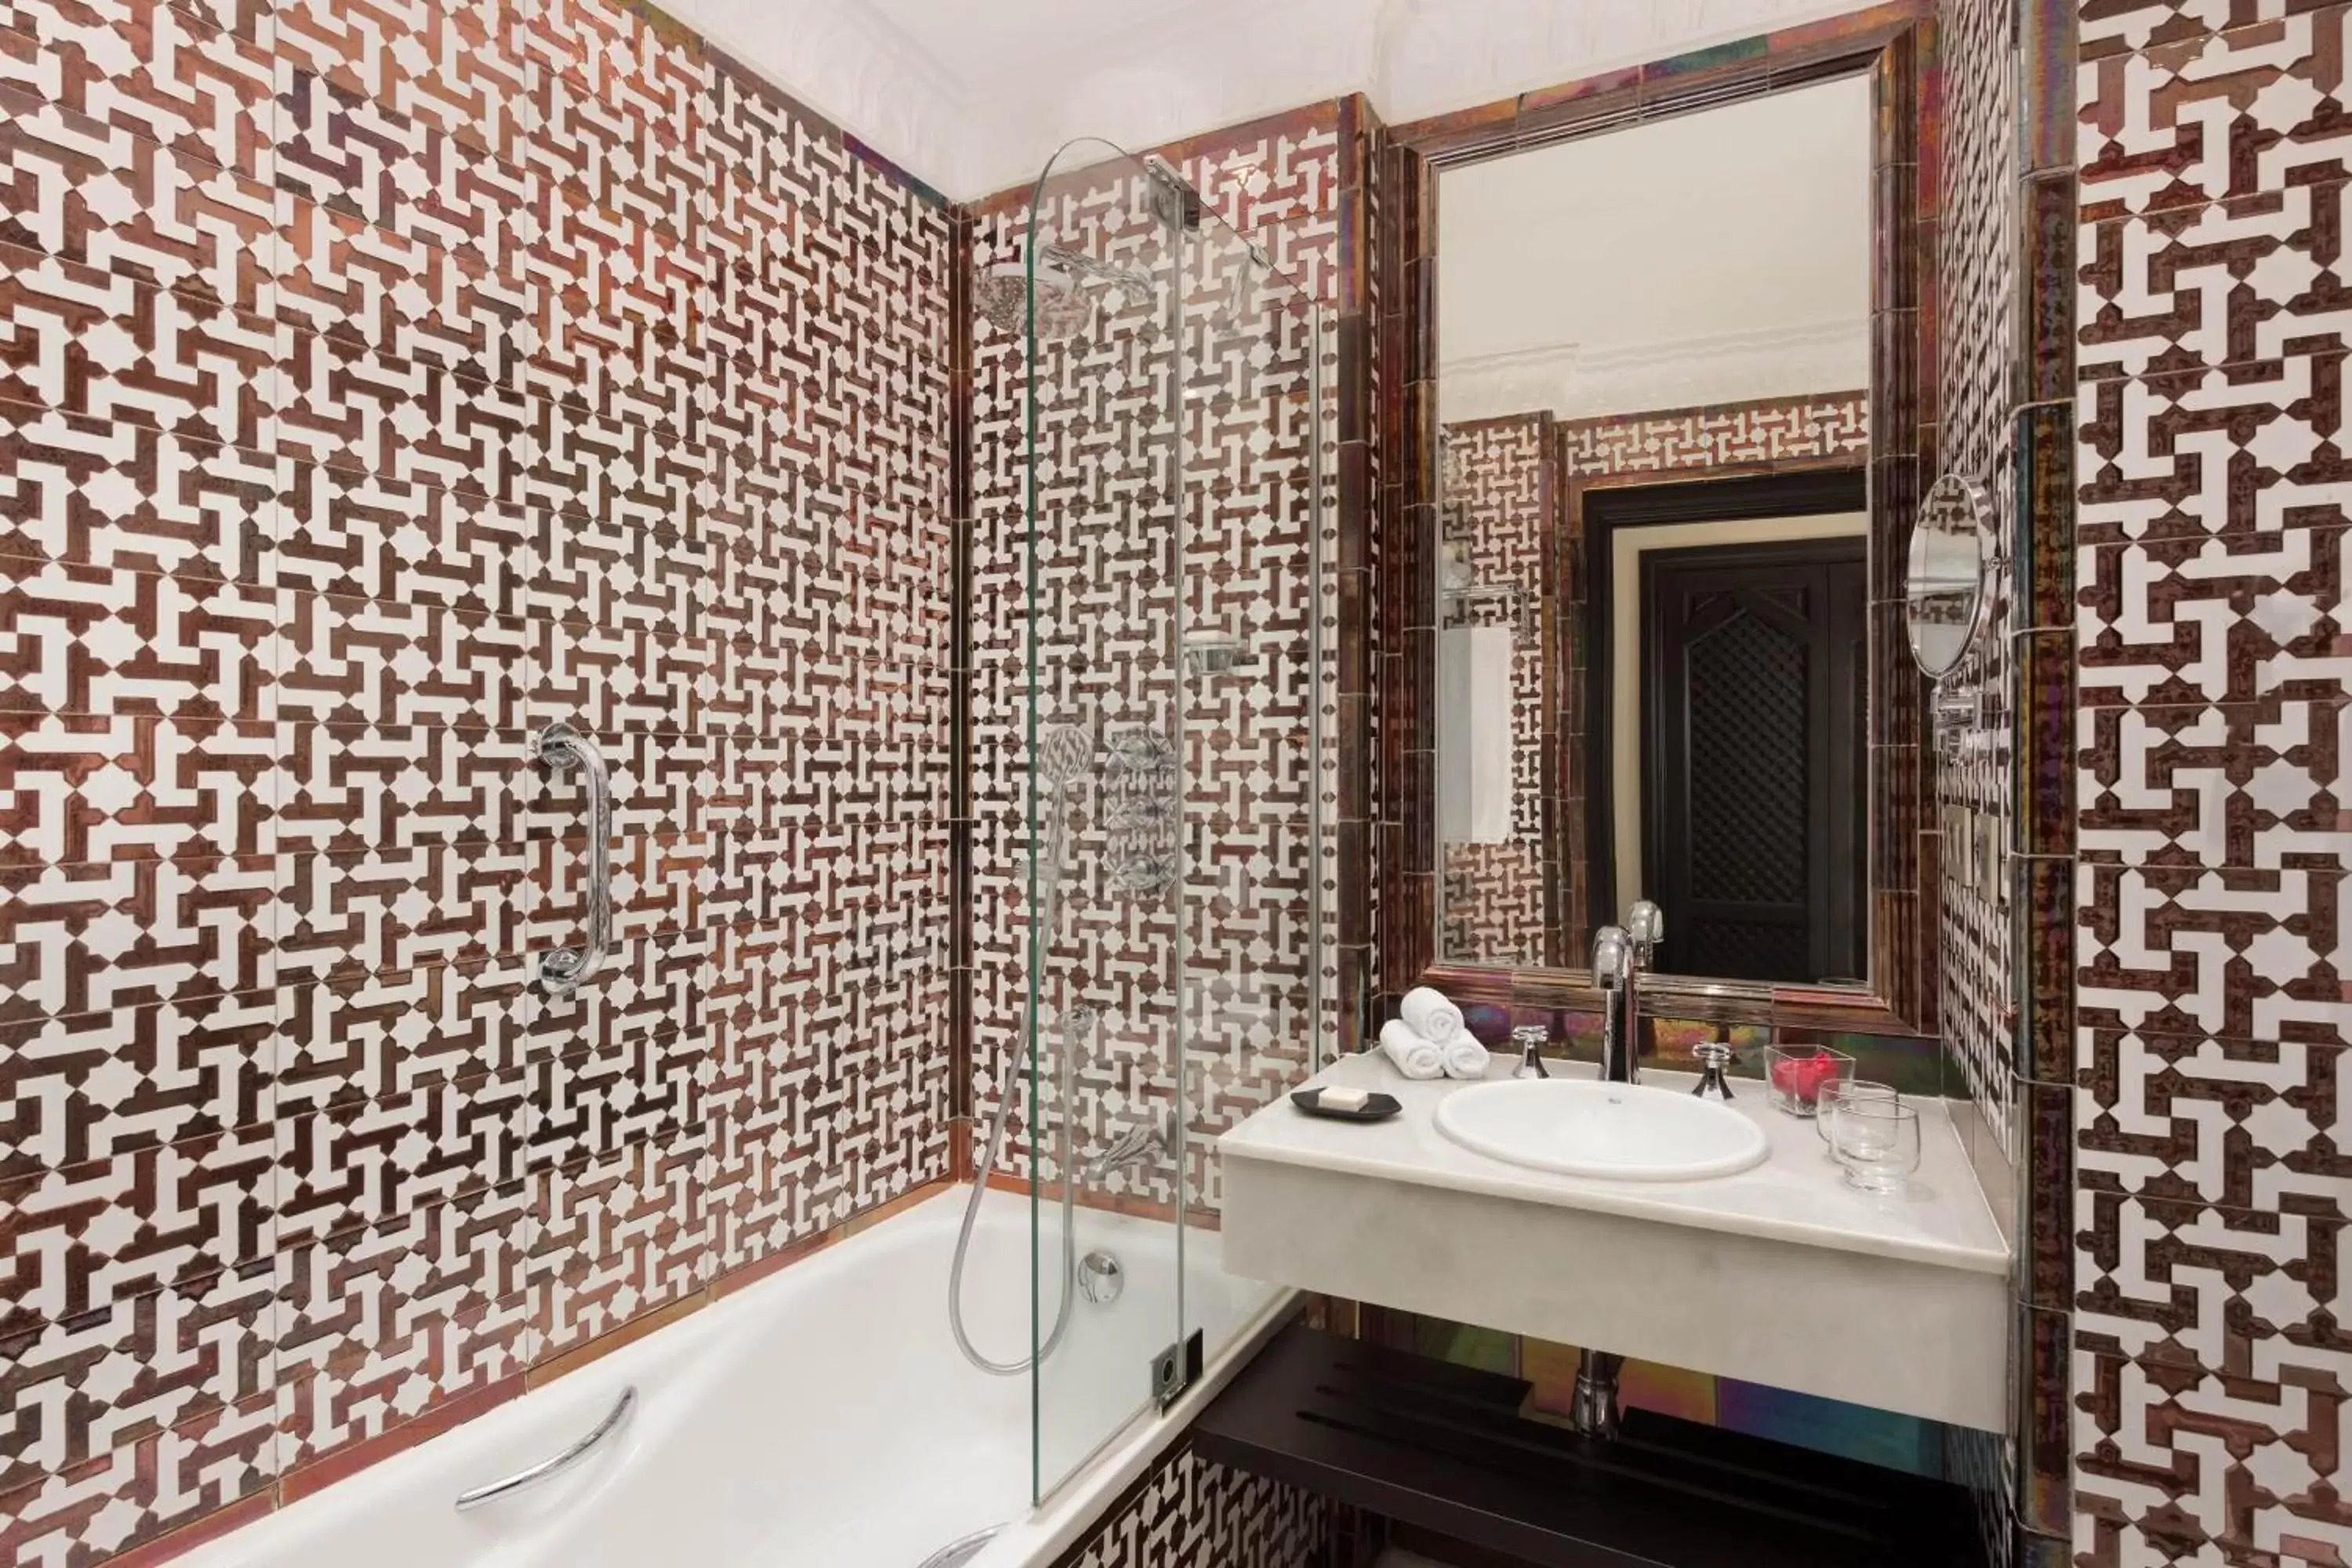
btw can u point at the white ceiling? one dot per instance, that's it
(1707, 258)
(972, 96)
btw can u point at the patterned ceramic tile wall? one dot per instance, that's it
(1972, 756)
(2210, 1367)
(1366, 312)
(1972, 778)
(1727, 436)
(1106, 609)
(1187, 1512)
(1388, 577)
(1499, 495)
(375, 385)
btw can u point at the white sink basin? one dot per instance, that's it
(1576, 1126)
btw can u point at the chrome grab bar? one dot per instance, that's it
(547, 1468)
(564, 748)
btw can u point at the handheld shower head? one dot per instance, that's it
(1065, 752)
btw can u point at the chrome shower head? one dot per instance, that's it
(1000, 294)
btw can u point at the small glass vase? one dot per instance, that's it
(1793, 1076)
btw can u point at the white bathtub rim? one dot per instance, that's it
(540, 1421)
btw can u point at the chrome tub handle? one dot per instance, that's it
(547, 1469)
(564, 748)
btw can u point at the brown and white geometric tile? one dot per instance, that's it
(77, 1239)
(2197, 101)
(132, 207)
(372, 662)
(78, 340)
(2176, 1464)
(77, 1388)
(2187, 1118)
(91, 787)
(374, 1328)
(109, 641)
(375, 385)
(2212, 1184)
(97, 936)
(101, 493)
(82, 1517)
(150, 69)
(452, 68)
(90, 1085)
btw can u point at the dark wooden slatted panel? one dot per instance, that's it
(1444, 1448)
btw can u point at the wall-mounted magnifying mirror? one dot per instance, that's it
(1953, 548)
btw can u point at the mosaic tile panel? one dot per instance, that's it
(1187, 1512)
(2208, 1375)
(1105, 605)
(1498, 521)
(1767, 431)
(376, 385)
(1976, 353)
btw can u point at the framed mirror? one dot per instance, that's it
(1954, 547)
(1676, 424)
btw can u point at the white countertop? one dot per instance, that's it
(1797, 1194)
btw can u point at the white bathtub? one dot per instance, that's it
(821, 1418)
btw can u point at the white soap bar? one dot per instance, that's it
(1337, 1098)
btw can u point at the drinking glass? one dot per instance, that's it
(1836, 1092)
(1877, 1143)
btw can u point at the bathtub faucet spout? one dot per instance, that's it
(1136, 1145)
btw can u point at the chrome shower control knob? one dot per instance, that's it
(1100, 1277)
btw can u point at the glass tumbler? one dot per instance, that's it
(1836, 1092)
(1877, 1143)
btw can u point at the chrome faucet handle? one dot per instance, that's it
(1714, 1065)
(1531, 1038)
(1645, 927)
(1612, 957)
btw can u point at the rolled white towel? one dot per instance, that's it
(1411, 1054)
(1465, 1057)
(1432, 1017)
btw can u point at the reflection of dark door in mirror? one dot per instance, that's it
(1605, 513)
(1752, 776)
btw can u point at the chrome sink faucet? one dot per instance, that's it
(1613, 970)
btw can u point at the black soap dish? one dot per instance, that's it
(1376, 1107)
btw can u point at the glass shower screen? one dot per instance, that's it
(1148, 656)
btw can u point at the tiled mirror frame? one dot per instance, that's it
(1894, 44)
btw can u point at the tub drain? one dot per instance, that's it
(957, 1553)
